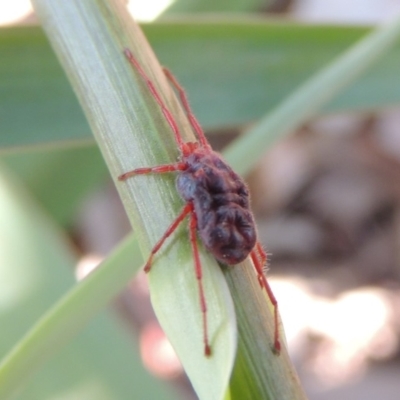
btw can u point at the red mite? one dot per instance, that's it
(217, 203)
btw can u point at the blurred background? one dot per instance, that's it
(327, 202)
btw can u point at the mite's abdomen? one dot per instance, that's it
(221, 203)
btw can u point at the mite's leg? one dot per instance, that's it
(179, 166)
(259, 257)
(185, 211)
(184, 100)
(199, 276)
(169, 117)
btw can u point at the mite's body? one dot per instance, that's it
(217, 203)
(221, 203)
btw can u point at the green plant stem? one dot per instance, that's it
(311, 96)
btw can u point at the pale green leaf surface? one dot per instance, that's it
(89, 39)
(36, 268)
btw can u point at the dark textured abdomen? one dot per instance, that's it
(221, 201)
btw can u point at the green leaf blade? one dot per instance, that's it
(305, 102)
(128, 125)
(266, 59)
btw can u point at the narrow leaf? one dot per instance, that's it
(89, 38)
(36, 268)
(266, 59)
(312, 95)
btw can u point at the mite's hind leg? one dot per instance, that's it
(199, 276)
(259, 258)
(184, 213)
